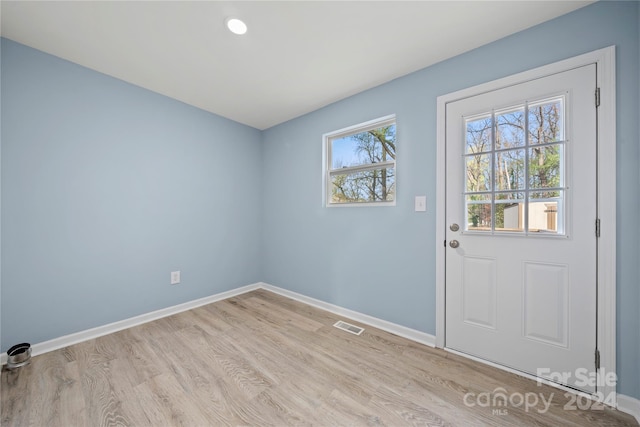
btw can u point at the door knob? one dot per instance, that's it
(454, 244)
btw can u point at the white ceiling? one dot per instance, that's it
(296, 57)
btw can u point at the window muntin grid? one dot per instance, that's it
(514, 163)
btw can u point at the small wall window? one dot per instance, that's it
(360, 164)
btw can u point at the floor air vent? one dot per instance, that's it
(356, 330)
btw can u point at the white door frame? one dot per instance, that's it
(606, 188)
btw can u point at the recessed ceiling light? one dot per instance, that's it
(236, 26)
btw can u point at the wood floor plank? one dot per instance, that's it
(261, 359)
(176, 403)
(101, 400)
(68, 406)
(281, 316)
(16, 387)
(142, 361)
(123, 381)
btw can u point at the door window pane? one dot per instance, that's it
(546, 212)
(546, 122)
(478, 171)
(510, 170)
(478, 212)
(515, 167)
(544, 166)
(509, 208)
(510, 128)
(478, 135)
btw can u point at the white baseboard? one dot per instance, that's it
(630, 405)
(403, 331)
(77, 337)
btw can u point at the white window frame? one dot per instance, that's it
(327, 161)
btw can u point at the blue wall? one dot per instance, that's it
(381, 261)
(106, 189)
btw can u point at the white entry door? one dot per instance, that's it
(521, 213)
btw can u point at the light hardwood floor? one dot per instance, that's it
(262, 359)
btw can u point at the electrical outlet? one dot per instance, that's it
(175, 277)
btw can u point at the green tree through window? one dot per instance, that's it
(362, 163)
(514, 167)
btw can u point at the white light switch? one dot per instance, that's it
(175, 277)
(421, 204)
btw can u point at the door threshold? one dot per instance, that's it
(595, 396)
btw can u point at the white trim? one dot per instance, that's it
(361, 204)
(606, 81)
(629, 405)
(402, 331)
(347, 170)
(441, 219)
(364, 126)
(605, 63)
(77, 337)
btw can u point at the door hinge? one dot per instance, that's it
(597, 227)
(597, 97)
(597, 359)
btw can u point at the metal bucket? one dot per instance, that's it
(18, 355)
